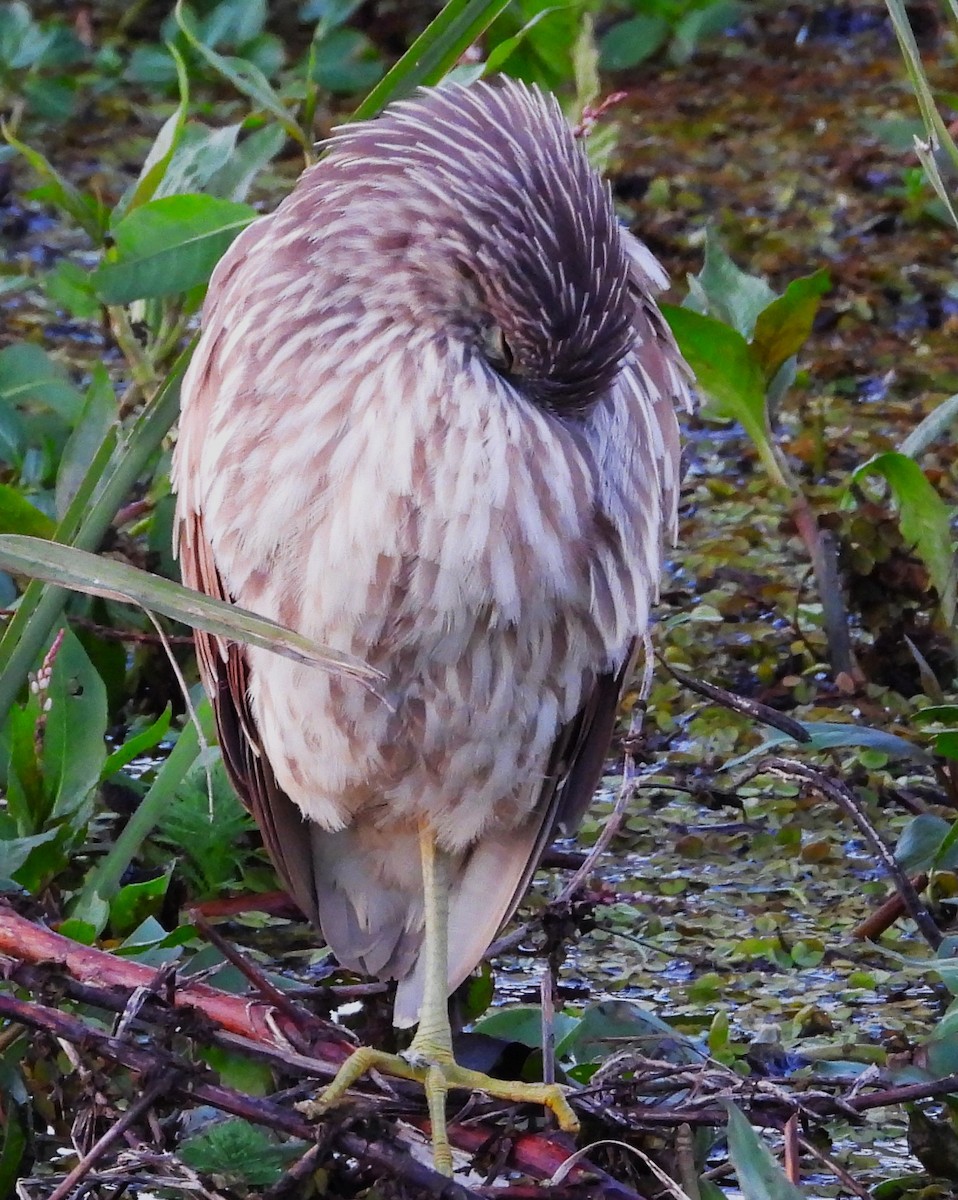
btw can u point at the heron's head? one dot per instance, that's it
(474, 215)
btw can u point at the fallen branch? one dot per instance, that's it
(40, 959)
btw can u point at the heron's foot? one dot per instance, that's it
(438, 1072)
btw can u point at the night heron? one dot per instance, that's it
(431, 423)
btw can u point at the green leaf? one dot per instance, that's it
(727, 371)
(434, 52)
(247, 78)
(627, 43)
(938, 421)
(239, 1072)
(69, 567)
(161, 153)
(18, 515)
(345, 61)
(921, 841)
(14, 852)
(522, 1023)
(759, 1175)
(29, 376)
(925, 520)
(723, 290)
(833, 735)
(240, 1152)
(100, 413)
(701, 23)
(785, 325)
(946, 744)
(233, 179)
(139, 744)
(169, 245)
(74, 749)
(616, 1024)
(70, 287)
(88, 211)
(937, 712)
(133, 903)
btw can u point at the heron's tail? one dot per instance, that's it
(369, 897)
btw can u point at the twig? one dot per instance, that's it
(847, 1181)
(842, 796)
(301, 1018)
(741, 704)
(887, 913)
(793, 1166)
(158, 1088)
(392, 1162)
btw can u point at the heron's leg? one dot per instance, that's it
(429, 1057)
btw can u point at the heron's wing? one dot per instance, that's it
(225, 672)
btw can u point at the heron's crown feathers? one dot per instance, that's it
(492, 176)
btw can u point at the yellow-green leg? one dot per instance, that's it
(429, 1058)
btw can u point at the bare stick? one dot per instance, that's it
(842, 796)
(160, 1087)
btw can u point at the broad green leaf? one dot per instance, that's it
(723, 290)
(523, 1023)
(785, 325)
(946, 744)
(555, 51)
(69, 567)
(18, 515)
(726, 370)
(232, 181)
(134, 902)
(169, 245)
(233, 22)
(612, 1025)
(920, 845)
(937, 712)
(14, 852)
(70, 287)
(345, 61)
(29, 376)
(74, 749)
(759, 1176)
(200, 153)
(628, 43)
(925, 520)
(699, 24)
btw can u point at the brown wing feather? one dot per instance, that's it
(575, 768)
(226, 678)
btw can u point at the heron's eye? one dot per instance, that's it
(497, 350)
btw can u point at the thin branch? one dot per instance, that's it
(842, 796)
(160, 1087)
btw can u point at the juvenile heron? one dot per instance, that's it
(430, 422)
